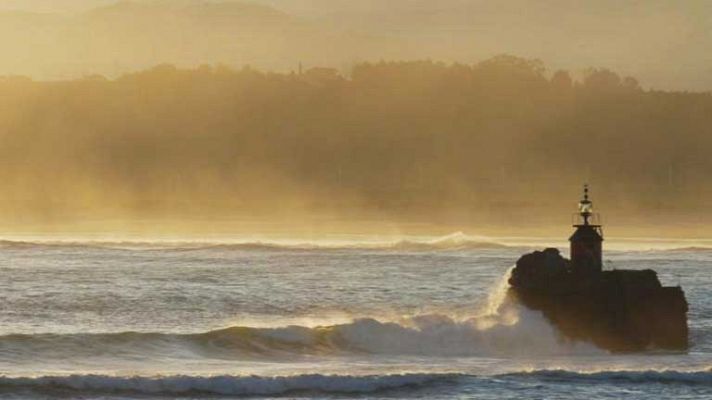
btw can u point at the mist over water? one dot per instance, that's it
(188, 136)
(164, 320)
(500, 144)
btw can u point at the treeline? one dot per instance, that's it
(411, 140)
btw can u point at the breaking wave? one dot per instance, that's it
(501, 327)
(690, 249)
(427, 335)
(651, 376)
(227, 385)
(455, 241)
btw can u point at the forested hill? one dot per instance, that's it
(416, 140)
(131, 35)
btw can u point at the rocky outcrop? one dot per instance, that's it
(620, 310)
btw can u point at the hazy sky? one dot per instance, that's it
(664, 43)
(51, 5)
(171, 142)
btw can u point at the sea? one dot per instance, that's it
(414, 318)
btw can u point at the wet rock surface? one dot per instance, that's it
(620, 310)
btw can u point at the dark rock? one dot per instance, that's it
(622, 310)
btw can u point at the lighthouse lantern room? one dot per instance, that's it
(587, 240)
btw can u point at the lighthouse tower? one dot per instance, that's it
(587, 240)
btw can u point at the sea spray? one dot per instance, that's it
(501, 327)
(86, 314)
(498, 307)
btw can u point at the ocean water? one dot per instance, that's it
(418, 319)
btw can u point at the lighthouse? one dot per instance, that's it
(587, 240)
(618, 310)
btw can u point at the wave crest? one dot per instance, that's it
(502, 327)
(227, 385)
(528, 333)
(452, 242)
(690, 249)
(650, 376)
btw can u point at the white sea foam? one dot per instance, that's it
(426, 335)
(454, 241)
(229, 385)
(226, 385)
(351, 313)
(637, 376)
(502, 327)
